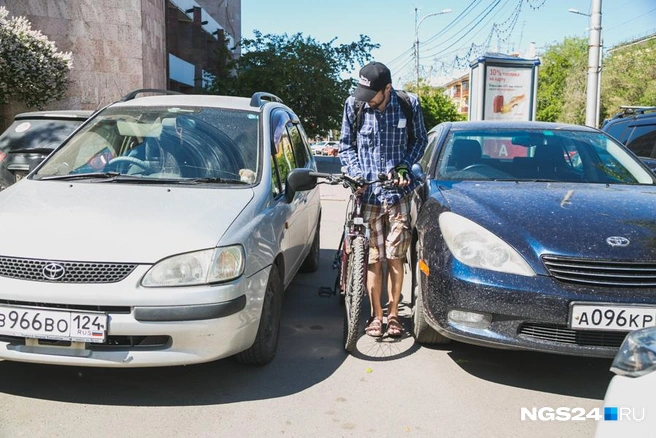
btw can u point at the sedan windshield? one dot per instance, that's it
(538, 155)
(212, 145)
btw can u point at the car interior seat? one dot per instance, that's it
(550, 160)
(465, 153)
(160, 160)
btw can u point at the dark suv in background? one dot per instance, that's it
(635, 126)
(31, 137)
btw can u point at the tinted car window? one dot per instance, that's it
(32, 134)
(643, 141)
(300, 151)
(284, 160)
(433, 136)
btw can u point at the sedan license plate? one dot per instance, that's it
(31, 322)
(611, 317)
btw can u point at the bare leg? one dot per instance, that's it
(395, 284)
(375, 286)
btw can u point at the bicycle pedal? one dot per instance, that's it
(325, 291)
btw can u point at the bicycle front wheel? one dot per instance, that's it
(354, 292)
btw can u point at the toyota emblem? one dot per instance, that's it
(618, 241)
(53, 271)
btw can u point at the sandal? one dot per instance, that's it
(394, 327)
(374, 327)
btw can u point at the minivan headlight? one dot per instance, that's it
(195, 268)
(477, 247)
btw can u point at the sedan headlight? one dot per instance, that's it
(475, 246)
(637, 355)
(195, 268)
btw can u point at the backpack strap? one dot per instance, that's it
(406, 107)
(358, 106)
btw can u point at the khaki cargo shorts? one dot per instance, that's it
(389, 227)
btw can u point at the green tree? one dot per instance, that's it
(304, 73)
(436, 107)
(628, 77)
(32, 71)
(562, 82)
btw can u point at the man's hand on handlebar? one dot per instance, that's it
(400, 176)
(360, 182)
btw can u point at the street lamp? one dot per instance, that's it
(417, 23)
(594, 64)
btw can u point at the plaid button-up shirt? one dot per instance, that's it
(382, 144)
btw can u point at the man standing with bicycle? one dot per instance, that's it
(383, 132)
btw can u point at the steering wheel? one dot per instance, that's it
(470, 167)
(132, 160)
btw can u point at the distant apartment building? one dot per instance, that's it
(122, 45)
(458, 91)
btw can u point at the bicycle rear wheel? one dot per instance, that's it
(354, 293)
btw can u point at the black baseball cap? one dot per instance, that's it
(373, 78)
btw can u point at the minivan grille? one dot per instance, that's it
(64, 271)
(602, 272)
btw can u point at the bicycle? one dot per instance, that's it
(351, 258)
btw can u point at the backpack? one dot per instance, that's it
(406, 107)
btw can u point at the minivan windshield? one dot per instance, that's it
(179, 144)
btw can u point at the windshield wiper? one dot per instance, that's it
(43, 151)
(527, 180)
(113, 177)
(70, 176)
(212, 180)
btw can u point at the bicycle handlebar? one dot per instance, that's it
(343, 178)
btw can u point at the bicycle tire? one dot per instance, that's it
(354, 293)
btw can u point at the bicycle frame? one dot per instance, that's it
(354, 226)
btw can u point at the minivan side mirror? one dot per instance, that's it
(299, 180)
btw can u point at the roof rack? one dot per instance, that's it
(258, 97)
(631, 110)
(132, 94)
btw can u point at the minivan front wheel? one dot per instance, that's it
(264, 348)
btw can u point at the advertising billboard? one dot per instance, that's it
(503, 87)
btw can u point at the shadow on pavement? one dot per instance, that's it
(583, 377)
(309, 351)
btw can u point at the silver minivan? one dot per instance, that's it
(163, 232)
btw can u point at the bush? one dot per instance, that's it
(32, 71)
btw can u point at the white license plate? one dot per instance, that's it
(20, 175)
(31, 322)
(611, 317)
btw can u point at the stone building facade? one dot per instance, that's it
(121, 45)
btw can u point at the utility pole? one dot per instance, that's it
(417, 23)
(594, 65)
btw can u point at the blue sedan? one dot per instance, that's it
(535, 236)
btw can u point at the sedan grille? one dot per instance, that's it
(565, 335)
(602, 272)
(64, 271)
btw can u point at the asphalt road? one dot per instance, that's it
(312, 387)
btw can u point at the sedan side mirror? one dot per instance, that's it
(299, 180)
(418, 172)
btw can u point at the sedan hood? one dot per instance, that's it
(560, 218)
(114, 222)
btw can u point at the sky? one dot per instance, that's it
(449, 41)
